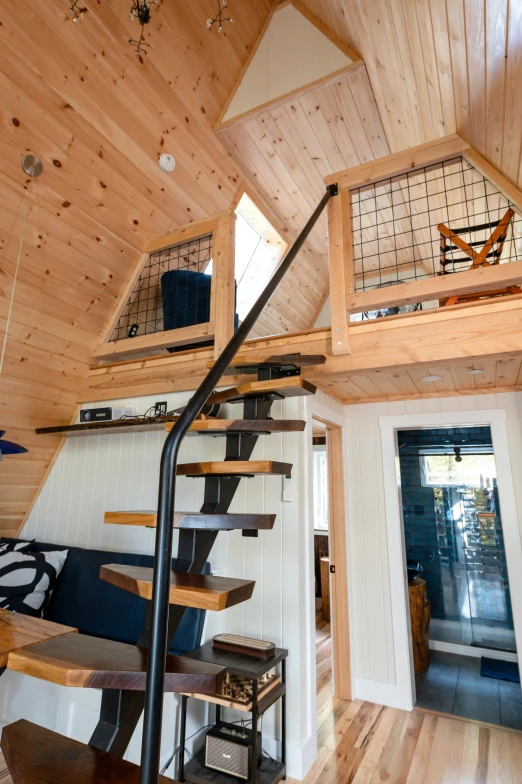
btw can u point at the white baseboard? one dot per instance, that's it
(471, 650)
(382, 694)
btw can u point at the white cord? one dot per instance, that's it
(8, 323)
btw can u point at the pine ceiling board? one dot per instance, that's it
(99, 117)
(462, 379)
(507, 371)
(287, 150)
(437, 66)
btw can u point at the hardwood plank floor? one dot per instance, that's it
(362, 743)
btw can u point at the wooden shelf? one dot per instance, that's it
(246, 707)
(211, 427)
(196, 773)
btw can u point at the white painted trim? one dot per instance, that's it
(472, 651)
(496, 419)
(380, 693)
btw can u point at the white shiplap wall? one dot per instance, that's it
(372, 629)
(97, 473)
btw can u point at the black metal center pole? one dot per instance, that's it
(151, 743)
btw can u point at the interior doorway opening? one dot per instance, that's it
(321, 524)
(461, 617)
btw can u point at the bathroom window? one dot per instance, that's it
(444, 470)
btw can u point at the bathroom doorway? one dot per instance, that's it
(461, 618)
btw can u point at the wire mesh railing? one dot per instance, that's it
(173, 291)
(397, 224)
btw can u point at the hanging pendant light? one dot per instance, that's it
(32, 166)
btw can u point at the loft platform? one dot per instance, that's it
(195, 520)
(202, 591)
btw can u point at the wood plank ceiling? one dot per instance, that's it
(286, 151)
(99, 117)
(440, 66)
(489, 375)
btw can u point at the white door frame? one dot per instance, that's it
(496, 420)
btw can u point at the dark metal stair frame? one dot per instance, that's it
(151, 745)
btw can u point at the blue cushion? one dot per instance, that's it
(186, 299)
(99, 609)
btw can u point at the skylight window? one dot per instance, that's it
(259, 249)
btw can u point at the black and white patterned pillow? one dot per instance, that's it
(28, 580)
(16, 545)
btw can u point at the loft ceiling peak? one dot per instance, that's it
(294, 50)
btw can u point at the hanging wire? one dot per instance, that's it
(15, 279)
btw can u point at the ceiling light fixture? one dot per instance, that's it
(219, 18)
(429, 379)
(475, 371)
(77, 10)
(141, 11)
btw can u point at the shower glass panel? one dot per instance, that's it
(453, 528)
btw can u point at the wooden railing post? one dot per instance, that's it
(223, 300)
(340, 265)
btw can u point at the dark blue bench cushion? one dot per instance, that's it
(96, 608)
(186, 299)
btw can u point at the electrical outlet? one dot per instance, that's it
(160, 409)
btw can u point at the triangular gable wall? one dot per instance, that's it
(292, 53)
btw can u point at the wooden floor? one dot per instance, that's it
(367, 744)
(362, 743)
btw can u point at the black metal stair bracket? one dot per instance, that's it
(151, 745)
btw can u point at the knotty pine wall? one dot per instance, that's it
(371, 618)
(118, 472)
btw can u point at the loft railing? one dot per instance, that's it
(151, 744)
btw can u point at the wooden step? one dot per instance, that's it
(216, 427)
(202, 591)
(253, 362)
(235, 468)
(292, 386)
(35, 755)
(91, 662)
(196, 520)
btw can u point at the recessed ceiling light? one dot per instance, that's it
(475, 371)
(429, 379)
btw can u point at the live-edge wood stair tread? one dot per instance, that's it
(195, 520)
(235, 468)
(90, 662)
(202, 591)
(35, 755)
(291, 386)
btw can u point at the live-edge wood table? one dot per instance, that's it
(19, 631)
(253, 669)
